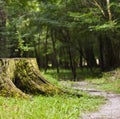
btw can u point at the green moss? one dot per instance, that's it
(24, 74)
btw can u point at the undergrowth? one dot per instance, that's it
(110, 81)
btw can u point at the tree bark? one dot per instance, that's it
(109, 58)
(54, 50)
(101, 57)
(72, 61)
(20, 77)
(4, 50)
(90, 57)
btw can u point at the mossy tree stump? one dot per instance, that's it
(21, 76)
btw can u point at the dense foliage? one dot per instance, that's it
(62, 33)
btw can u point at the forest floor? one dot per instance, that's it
(110, 110)
(97, 84)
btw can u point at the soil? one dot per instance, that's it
(110, 110)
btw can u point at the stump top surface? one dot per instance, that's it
(18, 58)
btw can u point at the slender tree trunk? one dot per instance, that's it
(109, 57)
(91, 61)
(4, 51)
(54, 50)
(46, 50)
(109, 10)
(67, 39)
(72, 62)
(37, 52)
(101, 60)
(81, 61)
(81, 56)
(116, 46)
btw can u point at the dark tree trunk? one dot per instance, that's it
(54, 50)
(115, 41)
(109, 58)
(72, 62)
(67, 41)
(90, 57)
(101, 60)
(81, 61)
(81, 56)
(46, 50)
(4, 51)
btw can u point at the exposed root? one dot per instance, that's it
(21, 76)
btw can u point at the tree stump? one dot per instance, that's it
(21, 76)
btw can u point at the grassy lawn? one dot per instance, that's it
(41, 107)
(56, 107)
(110, 81)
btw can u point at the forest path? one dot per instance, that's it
(110, 110)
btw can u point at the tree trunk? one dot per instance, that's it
(54, 50)
(72, 61)
(109, 58)
(20, 77)
(101, 57)
(46, 50)
(4, 51)
(90, 57)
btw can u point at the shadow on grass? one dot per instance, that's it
(81, 74)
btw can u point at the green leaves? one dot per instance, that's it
(110, 25)
(75, 21)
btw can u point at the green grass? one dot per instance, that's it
(106, 84)
(41, 107)
(110, 81)
(67, 75)
(49, 107)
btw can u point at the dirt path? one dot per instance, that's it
(110, 110)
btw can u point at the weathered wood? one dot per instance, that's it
(21, 76)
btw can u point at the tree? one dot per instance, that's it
(64, 33)
(109, 25)
(20, 76)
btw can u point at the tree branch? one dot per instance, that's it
(108, 9)
(97, 4)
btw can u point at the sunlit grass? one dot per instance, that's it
(109, 82)
(41, 107)
(108, 85)
(49, 107)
